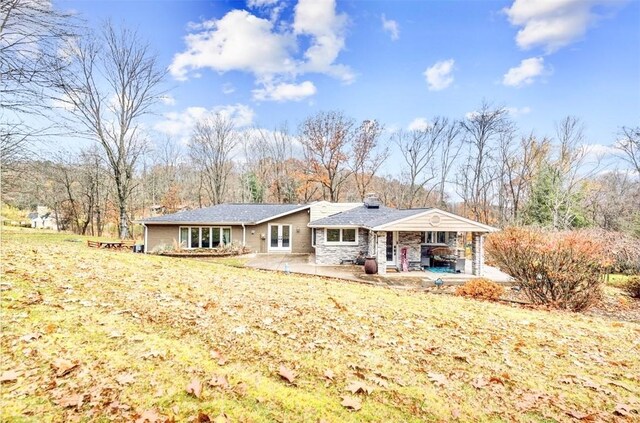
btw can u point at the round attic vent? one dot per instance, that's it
(435, 220)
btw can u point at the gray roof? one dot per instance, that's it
(248, 214)
(366, 217)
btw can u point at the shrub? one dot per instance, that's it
(480, 288)
(623, 249)
(632, 286)
(561, 269)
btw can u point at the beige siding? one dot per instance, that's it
(324, 208)
(300, 237)
(158, 235)
(426, 223)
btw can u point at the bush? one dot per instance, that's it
(561, 269)
(623, 250)
(632, 286)
(480, 288)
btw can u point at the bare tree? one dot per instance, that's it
(482, 131)
(367, 157)
(448, 152)
(325, 139)
(629, 146)
(420, 148)
(114, 80)
(212, 144)
(520, 166)
(31, 33)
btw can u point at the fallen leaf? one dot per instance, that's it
(71, 401)
(152, 354)
(240, 389)
(480, 382)
(31, 337)
(286, 374)
(437, 378)
(195, 388)
(63, 366)
(624, 410)
(150, 416)
(222, 418)
(328, 374)
(125, 378)
(351, 403)
(219, 381)
(202, 417)
(359, 386)
(579, 415)
(9, 376)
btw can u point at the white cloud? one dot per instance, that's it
(228, 88)
(238, 41)
(180, 124)
(525, 73)
(285, 92)
(268, 49)
(392, 27)
(262, 3)
(419, 124)
(319, 20)
(439, 75)
(553, 24)
(516, 112)
(168, 100)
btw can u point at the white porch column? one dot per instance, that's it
(477, 253)
(381, 253)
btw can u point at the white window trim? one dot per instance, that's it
(341, 242)
(211, 228)
(313, 237)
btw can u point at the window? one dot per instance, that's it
(204, 237)
(195, 238)
(347, 236)
(438, 237)
(314, 235)
(333, 235)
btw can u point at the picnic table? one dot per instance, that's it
(111, 244)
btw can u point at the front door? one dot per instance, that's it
(279, 238)
(392, 240)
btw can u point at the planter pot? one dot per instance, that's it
(370, 266)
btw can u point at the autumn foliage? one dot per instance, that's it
(561, 269)
(480, 288)
(632, 286)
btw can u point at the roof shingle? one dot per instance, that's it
(248, 214)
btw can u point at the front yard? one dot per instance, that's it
(98, 335)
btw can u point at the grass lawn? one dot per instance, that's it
(105, 335)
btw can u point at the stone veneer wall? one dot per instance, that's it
(412, 241)
(477, 254)
(381, 253)
(333, 254)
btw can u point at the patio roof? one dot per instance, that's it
(406, 220)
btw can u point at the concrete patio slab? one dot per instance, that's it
(305, 264)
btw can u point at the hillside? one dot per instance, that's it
(97, 335)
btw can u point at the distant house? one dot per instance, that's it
(335, 232)
(42, 218)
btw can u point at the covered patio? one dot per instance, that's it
(433, 242)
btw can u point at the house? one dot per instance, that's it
(263, 228)
(402, 239)
(42, 218)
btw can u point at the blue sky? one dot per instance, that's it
(402, 62)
